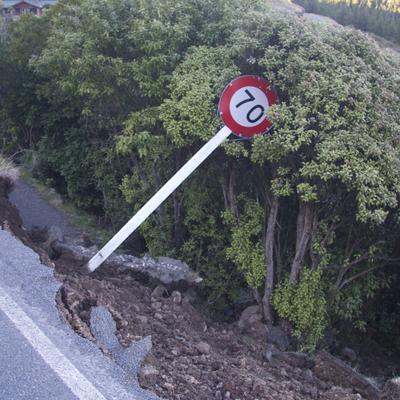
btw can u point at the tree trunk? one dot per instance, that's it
(269, 260)
(178, 234)
(303, 236)
(224, 188)
(231, 193)
(315, 259)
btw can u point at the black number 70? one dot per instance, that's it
(258, 106)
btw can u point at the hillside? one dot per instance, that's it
(381, 18)
(104, 101)
(190, 354)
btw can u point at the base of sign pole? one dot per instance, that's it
(95, 262)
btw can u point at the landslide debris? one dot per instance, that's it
(191, 356)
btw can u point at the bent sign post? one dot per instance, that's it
(243, 108)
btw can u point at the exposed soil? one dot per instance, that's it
(191, 357)
(10, 220)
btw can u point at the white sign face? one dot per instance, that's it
(248, 106)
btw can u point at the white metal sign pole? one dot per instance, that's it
(158, 198)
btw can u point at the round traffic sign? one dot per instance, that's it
(244, 104)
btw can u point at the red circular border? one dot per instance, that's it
(229, 91)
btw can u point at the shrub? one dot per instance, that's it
(304, 306)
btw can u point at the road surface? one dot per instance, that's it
(37, 212)
(40, 356)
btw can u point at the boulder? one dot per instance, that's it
(391, 390)
(267, 355)
(74, 253)
(142, 319)
(339, 393)
(170, 270)
(203, 348)
(249, 316)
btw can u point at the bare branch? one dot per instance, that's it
(359, 275)
(387, 261)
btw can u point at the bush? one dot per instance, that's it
(304, 306)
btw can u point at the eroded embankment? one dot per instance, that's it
(191, 356)
(10, 220)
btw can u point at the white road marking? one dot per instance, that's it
(56, 360)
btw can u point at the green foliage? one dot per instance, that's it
(20, 109)
(246, 249)
(303, 305)
(328, 127)
(206, 244)
(114, 96)
(348, 304)
(190, 111)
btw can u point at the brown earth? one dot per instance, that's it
(11, 221)
(192, 357)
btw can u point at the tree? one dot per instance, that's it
(20, 108)
(324, 156)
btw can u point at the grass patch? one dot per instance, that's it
(8, 170)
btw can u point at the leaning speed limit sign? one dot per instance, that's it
(244, 105)
(243, 108)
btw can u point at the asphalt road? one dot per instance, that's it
(40, 356)
(36, 212)
(24, 374)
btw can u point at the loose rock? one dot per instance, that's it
(308, 376)
(158, 293)
(249, 316)
(203, 348)
(176, 297)
(148, 375)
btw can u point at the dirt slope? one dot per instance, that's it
(192, 357)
